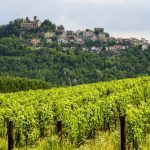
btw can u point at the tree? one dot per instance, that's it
(61, 28)
(47, 25)
(13, 28)
(107, 35)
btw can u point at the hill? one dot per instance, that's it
(46, 51)
(52, 64)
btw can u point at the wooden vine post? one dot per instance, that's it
(123, 132)
(10, 134)
(122, 117)
(59, 128)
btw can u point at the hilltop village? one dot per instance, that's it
(94, 40)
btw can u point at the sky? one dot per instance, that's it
(120, 18)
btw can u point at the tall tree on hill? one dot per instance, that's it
(47, 25)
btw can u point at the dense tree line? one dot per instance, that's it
(14, 84)
(69, 67)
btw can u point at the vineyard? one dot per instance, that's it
(78, 113)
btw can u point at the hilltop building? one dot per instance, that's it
(99, 30)
(26, 24)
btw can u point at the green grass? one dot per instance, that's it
(3, 144)
(103, 141)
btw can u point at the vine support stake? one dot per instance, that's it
(10, 135)
(123, 132)
(59, 128)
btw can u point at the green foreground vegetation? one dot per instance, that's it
(80, 117)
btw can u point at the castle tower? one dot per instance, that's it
(35, 18)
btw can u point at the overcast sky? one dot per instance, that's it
(121, 18)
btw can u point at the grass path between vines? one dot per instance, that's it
(104, 141)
